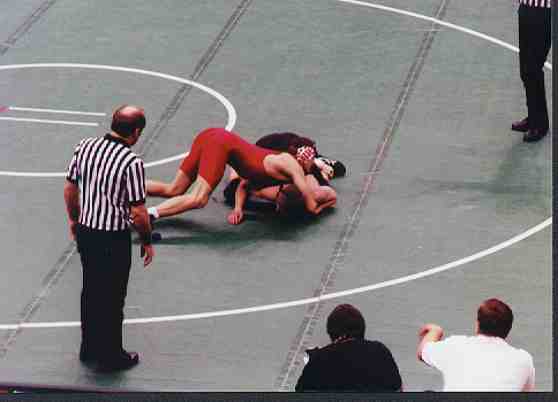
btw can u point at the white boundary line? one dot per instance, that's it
(221, 98)
(301, 302)
(39, 110)
(231, 112)
(393, 282)
(64, 122)
(439, 22)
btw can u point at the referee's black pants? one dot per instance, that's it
(106, 261)
(534, 45)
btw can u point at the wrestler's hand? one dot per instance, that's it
(235, 217)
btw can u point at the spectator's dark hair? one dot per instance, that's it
(230, 191)
(495, 318)
(345, 320)
(125, 122)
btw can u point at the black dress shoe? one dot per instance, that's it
(86, 355)
(522, 126)
(123, 362)
(535, 134)
(87, 358)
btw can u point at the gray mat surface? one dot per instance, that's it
(420, 114)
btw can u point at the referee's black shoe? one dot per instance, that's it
(522, 125)
(124, 361)
(535, 134)
(86, 357)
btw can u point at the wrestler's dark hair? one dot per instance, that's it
(125, 123)
(230, 191)
(317, 173)
(285, 142)
(495, 318)
(345, 320)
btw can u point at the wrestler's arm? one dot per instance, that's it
(240, 196)
(294, 171)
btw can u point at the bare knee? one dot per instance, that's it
(179, 185)
(173, 189)
(200, 201)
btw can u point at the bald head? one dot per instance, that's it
(126, 119)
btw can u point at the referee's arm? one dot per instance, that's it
(140, 218)
(138, 212)
(71, 197)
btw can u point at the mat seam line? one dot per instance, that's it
(50, 280)
(185, 89)
(26, 26)
(56, 272)
(313, 312)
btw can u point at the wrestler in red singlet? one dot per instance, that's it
(214, 148)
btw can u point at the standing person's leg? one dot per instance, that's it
(535, 44)
(524, 43)
(122, 262)
(115, 275)
(90, 347)
(541, 40)
(97, 297)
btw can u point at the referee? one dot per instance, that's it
(105, 193)
(534, 44)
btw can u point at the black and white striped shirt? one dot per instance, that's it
(111, 178)
(536, 3)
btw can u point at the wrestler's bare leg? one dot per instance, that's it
(195, 199)
(178, 186)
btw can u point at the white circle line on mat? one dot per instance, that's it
(231, 112)
(301, 302)
(362, 289)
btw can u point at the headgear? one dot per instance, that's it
(305, 153)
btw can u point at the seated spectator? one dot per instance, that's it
(350, 363)
(483, 362)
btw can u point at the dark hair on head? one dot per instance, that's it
(345, 320)
(126, 119)
(317, 173)
(230, 191)
(495, 318)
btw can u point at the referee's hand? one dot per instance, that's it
(147, 252)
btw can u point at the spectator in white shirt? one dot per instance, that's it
(484, 362)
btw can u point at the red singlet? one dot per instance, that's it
(213, 148)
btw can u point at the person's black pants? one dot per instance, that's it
(534, 45)
(106, 261)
